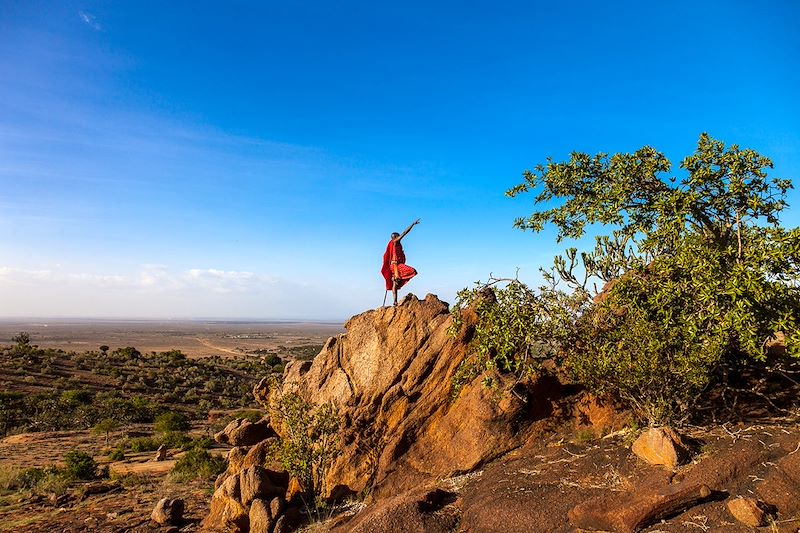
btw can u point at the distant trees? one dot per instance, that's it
(695, 274)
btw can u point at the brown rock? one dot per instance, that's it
(781, 487)
(390, 376)
(747, 511)
(168, 511)
(260, 517)
(275, 507)
(260, 455)
(288, 521)
(161, 454)
(294, 491)
(659, 446)
(630, 512)
(425, 510)
(242, 432)
(227, 512)
(255, 482)
(601, 417)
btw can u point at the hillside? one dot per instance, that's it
(536, 454)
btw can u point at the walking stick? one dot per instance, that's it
(385, 294)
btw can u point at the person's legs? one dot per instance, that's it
(394, 291)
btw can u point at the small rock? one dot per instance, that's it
(748, 511)
(112, 516)
(161, 454)
(168, 511)
(276, 507)
(658, 446)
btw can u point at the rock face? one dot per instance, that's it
(390, 376)
(168, 511)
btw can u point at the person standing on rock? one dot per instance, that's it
(395, 271)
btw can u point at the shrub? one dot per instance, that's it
(197, 464)
(310, 444)
(117, 454)
(79, 465)
(171, 421)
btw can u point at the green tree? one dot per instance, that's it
(106, 426)
(698, 272)
(23, 338)
(171, 421)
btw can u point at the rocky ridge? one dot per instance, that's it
(494, 458)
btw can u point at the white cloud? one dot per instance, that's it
(90, 20)
(157, 291)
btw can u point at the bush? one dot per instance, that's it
(143, 444)
(79, 465)
(310, 444)
(117, 454)
(171, 421)
(197, 464)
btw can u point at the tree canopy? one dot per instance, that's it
(695, 272)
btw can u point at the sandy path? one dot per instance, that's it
(207, 344)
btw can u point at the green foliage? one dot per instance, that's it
(311, 443)
(143, 444)
(105, 427)
(79, 465)
(117, 454)
(197, 463)
(698, 271)
(516, 327)
(23, 338)
(171, 421)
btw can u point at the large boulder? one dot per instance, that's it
(243, 432)
(390, 376)
(168, 511)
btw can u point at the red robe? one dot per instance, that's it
(394, 252)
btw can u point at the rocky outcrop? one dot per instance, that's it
(390, 376)
(243, 432)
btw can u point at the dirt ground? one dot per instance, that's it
(193, 338)
(122, 504)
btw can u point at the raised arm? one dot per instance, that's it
(408, 229)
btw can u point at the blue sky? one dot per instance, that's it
(250, 159)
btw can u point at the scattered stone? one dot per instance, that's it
(242, 432)
(659, 446)
(747, 511)
(161, 454)
(168, 511)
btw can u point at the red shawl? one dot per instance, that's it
(394, 252)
